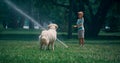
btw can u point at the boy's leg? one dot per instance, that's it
(81, 37)
(81, 41)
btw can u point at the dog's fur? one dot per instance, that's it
(48, 37)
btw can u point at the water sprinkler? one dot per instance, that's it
(30, 18)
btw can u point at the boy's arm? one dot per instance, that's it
(77, 25)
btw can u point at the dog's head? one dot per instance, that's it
(52, 26)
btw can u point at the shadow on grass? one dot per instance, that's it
(31, 37)
(60, 36)
(19, 37)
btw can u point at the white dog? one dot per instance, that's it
(48, 37)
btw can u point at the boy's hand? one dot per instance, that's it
(75, 26)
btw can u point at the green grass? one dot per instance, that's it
(19, 31)
(20, 51)
(22, 46)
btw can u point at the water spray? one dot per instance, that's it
(22, 13)
(30, 18)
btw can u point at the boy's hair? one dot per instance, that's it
(80, 12)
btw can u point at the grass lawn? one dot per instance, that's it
(19, 50)
(16, 51)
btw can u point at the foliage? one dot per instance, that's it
(58, 11)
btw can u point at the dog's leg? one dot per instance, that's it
(41, 45)
(45, 46)
(49, 46)
(52, 44)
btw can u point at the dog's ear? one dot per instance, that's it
(56, 26)
(49, 26)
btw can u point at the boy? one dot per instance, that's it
(80, 26)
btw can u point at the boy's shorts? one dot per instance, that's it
(80, 33)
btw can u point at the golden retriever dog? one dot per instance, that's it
(48, 37)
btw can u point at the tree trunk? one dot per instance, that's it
(13, 20)
(30, 9)
(21, 23)
(98, 20)
(70, 19)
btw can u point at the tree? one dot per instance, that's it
(60, 10)
(72, 8)
(112, 18)
(97, 20)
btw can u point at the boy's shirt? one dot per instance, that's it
(80, 22)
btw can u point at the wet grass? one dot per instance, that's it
(22, 46)
(18, 51)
